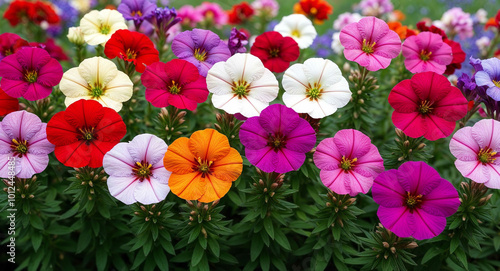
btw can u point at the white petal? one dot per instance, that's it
(147, 148)
(149, 192)
(322, 109)
(118, 161)
(98, 70)
(123, 188)
(248, 107)
(244, 67)
(218, 80)
(337, 94)
(107, 102)
(266, 88)
(297, 23)
(73, 84)
(298, 102)
(322, 71)
(295, 80)
(119, 88)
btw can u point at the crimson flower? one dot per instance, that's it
(7, 104)
(133, 47)
(10, 43)
(54, 50)
(427, 105)
(275, 51)
(36, 12)
(84, 132)
(240, 13)
(177, 82)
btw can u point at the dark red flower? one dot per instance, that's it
(316, 10)
(275, 51)
(422, 27)
(52, 48)
(84, 132)
(133, 47)
(7, 104)
(240, 13)
(10, 43)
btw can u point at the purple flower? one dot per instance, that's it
(277, 140)
(376, 7)
(136, 171)
(201, 47)
(414, 200)
(490, 77)
(237, 41)
(30, 73)
(137, 10)
(23, 138)
(163, 19)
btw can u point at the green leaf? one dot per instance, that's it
(57, 229)
(462, 257)
(496, 242)
(198, 253)
(104, 211)
(194, 234)
(278, 263)
(256, 247)
(214, 247)
(154, 232)
(36, 240)
(454, 244)
(265, 261)
(268, 226)
(101, 258)
(147, 246)
(431, 253)
(160, 259)
(36, 222)
(281, 239)
(203, 242)
(83, 240)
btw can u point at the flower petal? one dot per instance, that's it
(387, 191)
(21, 125)
(189, 186)
(215, 189)
(399, 220)
(178, 159)
(426, 225)
(463, 146)
(147, 148)
(209, 145)
(229, 167)
(442, 200)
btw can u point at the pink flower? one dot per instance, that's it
(414, 200)
(426, 52)
(349, 162)
(213, 14)
(477, 151)
(370, 43)
(190, 15)
(456, 21)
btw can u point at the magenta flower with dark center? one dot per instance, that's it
(30, 73)
(277, 140)
(414, 200)
(201, 47)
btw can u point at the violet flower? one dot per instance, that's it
(23, 137)
(137, 10)
(237, 41)
(163, 19)
(490, 76)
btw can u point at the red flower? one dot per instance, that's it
(7, 104)
(275, 51)
(427, 105)
(133, 47)
(493, 22)
(176, 83)
(43, 11)
(18, 11)
(54, 50)
(10, 43)
(240, 13)
(317, 10)
(84, 132)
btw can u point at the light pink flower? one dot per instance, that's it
(213, 14)
(190, 15)
(268, 8)
(370, 43)
(477, 151)
(457, 22)
(426, 52)
(345, 19)
(349, 162)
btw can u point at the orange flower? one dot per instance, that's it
(203, 166)
(317, 10)
(402, 30)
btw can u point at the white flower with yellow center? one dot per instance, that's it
(98, 26)
(316, 87)
(242, 85)
(97, 79)
(298, 27)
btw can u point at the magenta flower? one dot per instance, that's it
(477, 151)
(23, 136)
(414, 200)
(201, 47)
(190, 15)
(30, 73)
(426, 52)
(213, 14)
(277, 140)
(349, 162)
(136, 171)
(370, 43)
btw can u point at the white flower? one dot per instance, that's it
(97, 79)
(75, 35)
(98, 26)
(483, 43)
(242, 85)
(299, 28)
(336, 45)
(315, 87)
(482, 16)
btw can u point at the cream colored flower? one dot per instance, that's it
(97, 79)
(75, 35)
(98, 26)
(298, 27)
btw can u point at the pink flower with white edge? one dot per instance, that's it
(136, 171)
(349, 162)
(370, 43)
(477, 150)
(426, 52)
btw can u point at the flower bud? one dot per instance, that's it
(75, 35)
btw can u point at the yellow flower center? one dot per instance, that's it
(105, 29)
(412, 201)
(424, 55)
(313, 11)
(296, 33)
(314, 92)
(203, 166)
(31, 76)
(87, 134)
(497, 83)
(138, 13)
(131, 54)
(174, 88)
(8, 52)
(347, 164)
(200, 54)
(20, 147)
(367, 47)
(425, 107)
(142, 170)
(240, 88)
(486, 155)
(276, 141)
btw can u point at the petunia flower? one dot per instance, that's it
(177, 83)
(97, 79)
(7, 104)
(346, 18)
(316, 10)
(277, 140)
(349, 162)
(477, 150)
(203, 166)
(242, 85)
(275, 51)
(237, 41)
(84, 132)
(375, 8)
(414, 200)
(136, 10)
(370, 43)
(213, 14)
(266, 8)
(98, 26)
(427, 105)
(10, 43)
(164, 20)
(299, 28)
(190, 16)
(23, 137)
(315, 87)
(240, 13)
(426, 52)
(490, 77)
(201, 47)
(30, 73)
(133, 47)
(20, 11)
(136, 171)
